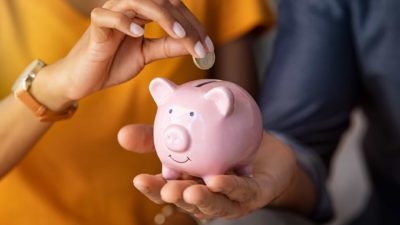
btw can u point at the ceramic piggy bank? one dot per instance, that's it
(204, 128)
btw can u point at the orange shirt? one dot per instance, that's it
(77, 173)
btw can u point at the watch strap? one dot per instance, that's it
(42, 112)
(22, 92)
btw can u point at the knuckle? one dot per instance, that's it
(249, 185)
(121, 19)
(109, 4)
(244, 196)
(134, 4)
(163, 15)
(203, 201)
(94, 14)
(229, 188)
(166, 50)
(235, 183)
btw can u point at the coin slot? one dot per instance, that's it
(205, 83)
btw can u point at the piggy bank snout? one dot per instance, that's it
(176, 138)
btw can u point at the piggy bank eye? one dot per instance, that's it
(191, 114)
(170, 111)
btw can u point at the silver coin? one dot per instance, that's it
(205, 63)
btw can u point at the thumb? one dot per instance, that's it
(162, 48)
(137, 138)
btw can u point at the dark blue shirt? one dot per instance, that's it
(330, 57)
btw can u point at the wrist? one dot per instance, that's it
(299, 196)
(48, 89)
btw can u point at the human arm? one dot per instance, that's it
(112, 51)
(19, 130)
(311, 88)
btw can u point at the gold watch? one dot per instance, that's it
(21, 91)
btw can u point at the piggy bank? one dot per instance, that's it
(204, 128)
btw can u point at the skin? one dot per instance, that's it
(106, 55)
(277, 181)
(109, 54)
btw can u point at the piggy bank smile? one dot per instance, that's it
(180, 161)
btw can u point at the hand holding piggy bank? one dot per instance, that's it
(204, 128)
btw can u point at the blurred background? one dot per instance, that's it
(348, 182)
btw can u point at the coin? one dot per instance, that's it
(205, 63)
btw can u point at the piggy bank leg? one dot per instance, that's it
(245, 170)
(169, 174)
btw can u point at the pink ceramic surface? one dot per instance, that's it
(204, 127)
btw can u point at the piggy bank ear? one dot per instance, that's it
(161, 89)
(223, 99)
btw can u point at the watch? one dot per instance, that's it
(21, 91)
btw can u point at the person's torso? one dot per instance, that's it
(78, 163)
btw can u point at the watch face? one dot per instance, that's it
(29, 72)
(20, 83)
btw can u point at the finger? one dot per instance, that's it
(206, 40)
(104, 20)
(211, 204)
(166, 47)
(193, 39)
(240, 189)
(150, 186)
(137, 138)
(170, 19)
(146, 9)
(172, 192)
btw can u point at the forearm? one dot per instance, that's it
(19, 131)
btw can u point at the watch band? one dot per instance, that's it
(22, 92)
(42, 112)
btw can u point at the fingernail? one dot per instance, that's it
(199, 49)
(209, 43)
(136, 29)
(178, 29)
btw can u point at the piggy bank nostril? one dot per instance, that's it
(176, 138)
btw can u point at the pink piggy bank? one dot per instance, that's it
(204, 128)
